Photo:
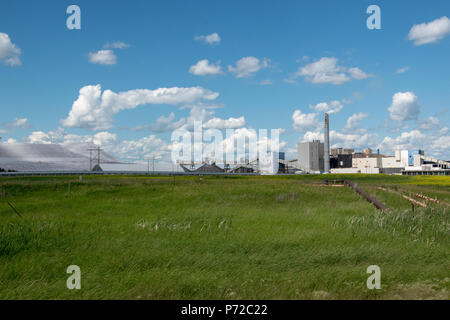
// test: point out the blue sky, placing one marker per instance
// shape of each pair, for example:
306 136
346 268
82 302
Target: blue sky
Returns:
278 64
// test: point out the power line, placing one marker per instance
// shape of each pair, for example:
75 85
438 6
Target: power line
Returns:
90 156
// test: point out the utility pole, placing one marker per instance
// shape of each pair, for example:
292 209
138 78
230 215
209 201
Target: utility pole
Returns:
153 165
98 156
90 156
90 159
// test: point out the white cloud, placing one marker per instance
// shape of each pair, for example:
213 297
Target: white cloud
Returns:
104 138
39 137
230 123
312 135
9 52
164 124
432 123
105 57
203 68
146 147
327 70
405 106
305 121
352 140
206 116
247 66
324 70
94 110
341 139
212 38
358 74
47 137
328 107
406 140
402 70
18 123
354 120
116 45
430 32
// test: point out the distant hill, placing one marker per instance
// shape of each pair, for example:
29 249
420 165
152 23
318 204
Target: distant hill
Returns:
44 157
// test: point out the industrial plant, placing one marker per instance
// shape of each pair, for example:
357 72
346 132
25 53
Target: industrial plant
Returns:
313 157
316 157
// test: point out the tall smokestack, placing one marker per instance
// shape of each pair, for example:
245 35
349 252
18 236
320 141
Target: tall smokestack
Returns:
326 146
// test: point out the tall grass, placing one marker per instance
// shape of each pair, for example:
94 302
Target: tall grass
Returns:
218 238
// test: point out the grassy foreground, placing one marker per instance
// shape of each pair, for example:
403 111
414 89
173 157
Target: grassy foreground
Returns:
280 237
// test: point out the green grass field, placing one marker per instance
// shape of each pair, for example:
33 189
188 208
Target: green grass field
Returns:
273 237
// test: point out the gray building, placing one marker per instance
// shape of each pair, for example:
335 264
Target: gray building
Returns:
311 156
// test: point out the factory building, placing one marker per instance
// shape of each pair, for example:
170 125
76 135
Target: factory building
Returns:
311 156
341 161
340 151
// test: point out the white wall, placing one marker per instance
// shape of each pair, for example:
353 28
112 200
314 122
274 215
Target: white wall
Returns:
391 162
361 163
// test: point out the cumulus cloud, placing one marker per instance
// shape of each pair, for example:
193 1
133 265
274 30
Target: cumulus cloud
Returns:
203 68
406 140
18 123
343 139
352 140
212 38
164 124
22 122
309 136
248 66
9 52
405 106
230 123
209 121
358 74
432 123
104 138
305 121
116 45
39 137
327 70
328 107
145 147
430 32
57 136
354 120
105 57
95 109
